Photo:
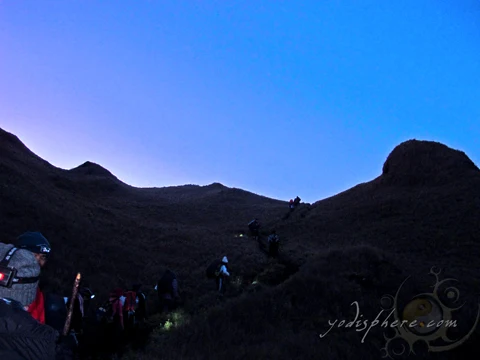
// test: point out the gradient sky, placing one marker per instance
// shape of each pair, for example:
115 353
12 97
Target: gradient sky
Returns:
281 98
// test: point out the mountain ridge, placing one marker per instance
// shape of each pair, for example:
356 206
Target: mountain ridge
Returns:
382 231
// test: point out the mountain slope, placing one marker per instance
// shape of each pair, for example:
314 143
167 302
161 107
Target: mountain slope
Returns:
359 245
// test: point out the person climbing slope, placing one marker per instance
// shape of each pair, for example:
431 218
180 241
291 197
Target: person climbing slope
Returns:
167 289
273 244
254 227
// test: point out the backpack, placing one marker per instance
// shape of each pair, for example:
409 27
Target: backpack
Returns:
213 269
130 302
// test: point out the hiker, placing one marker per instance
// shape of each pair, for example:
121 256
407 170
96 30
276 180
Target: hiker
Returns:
129 307
117 301
297 201
22 336
290 204
167 289
80 305
141 303
221 274
111 312
35 242
254 227
111 318
56 309
134 308
273 244
129 313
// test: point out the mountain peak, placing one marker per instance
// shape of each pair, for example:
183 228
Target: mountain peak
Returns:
419 162
92 169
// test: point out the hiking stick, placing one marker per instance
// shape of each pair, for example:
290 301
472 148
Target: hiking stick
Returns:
72 302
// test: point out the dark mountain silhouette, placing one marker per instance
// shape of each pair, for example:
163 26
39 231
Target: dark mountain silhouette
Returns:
426 163
359 245
92 169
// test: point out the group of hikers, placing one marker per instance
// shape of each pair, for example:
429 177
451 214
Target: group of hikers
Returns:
38 325
26 312
294 203
57 327
273 239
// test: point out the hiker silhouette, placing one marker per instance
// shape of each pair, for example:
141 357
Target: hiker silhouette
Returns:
254 227
218 270
80 307
273 244
167 289
141 303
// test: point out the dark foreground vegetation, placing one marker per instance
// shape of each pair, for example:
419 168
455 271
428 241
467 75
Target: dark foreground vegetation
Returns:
360 245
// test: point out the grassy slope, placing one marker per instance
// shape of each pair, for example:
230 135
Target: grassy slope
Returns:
397 225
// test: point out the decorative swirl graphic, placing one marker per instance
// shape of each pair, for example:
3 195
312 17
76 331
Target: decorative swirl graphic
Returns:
425 319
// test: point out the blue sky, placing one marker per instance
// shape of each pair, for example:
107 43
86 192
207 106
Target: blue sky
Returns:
281 98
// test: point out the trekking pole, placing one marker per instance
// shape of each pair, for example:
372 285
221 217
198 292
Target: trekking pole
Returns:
72 302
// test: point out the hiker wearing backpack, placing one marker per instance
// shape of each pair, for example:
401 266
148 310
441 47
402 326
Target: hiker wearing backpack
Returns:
273 244
167 289
111 317
80 305
130 319
254 227
218 271
141 304
297 201
117 301
129 307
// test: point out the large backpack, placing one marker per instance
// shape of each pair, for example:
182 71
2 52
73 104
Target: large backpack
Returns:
213 269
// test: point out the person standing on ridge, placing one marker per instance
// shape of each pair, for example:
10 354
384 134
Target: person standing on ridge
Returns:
297 201
290 204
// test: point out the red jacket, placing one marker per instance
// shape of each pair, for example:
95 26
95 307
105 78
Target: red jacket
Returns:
37 307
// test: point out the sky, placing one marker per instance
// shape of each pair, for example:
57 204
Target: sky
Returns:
280 98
